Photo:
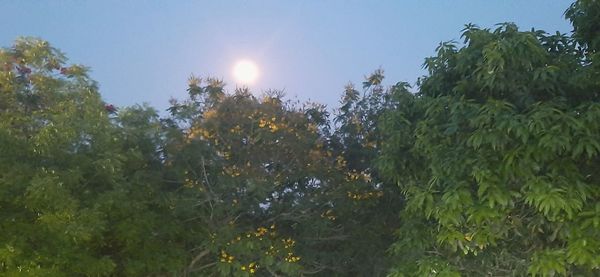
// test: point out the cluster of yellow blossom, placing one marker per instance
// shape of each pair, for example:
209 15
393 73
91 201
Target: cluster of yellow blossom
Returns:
227 155
328 214
262 123
270 123
288 243
271 251
232 171
370 144
234 240
271 100
226 258
251 267
236 130
194 132
256 115
291 258
365 195
189 183
354 175
210 114
260 231
341 162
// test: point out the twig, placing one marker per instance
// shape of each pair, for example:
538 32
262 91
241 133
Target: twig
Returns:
197 258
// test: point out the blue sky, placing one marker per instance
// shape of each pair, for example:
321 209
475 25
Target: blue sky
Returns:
144 51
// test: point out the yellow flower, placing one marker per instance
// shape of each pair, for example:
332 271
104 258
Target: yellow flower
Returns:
262 123
209 114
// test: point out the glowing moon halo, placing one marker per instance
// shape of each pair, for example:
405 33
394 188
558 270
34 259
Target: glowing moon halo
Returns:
245 72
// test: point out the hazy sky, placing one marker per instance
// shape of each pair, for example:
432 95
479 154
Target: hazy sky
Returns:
144 51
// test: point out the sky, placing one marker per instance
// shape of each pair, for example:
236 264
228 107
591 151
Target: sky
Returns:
144 51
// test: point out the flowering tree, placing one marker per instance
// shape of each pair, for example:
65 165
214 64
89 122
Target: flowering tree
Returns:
272 194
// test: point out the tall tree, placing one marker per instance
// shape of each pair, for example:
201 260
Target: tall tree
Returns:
261 175
78 194
497 156
52 122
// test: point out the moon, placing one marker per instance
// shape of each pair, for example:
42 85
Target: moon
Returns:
245 72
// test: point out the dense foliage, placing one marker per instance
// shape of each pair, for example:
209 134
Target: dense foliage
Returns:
489 168
497 155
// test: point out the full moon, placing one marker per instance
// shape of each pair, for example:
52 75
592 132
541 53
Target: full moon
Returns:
245 71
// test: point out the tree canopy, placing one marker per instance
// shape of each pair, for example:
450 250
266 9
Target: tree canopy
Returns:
487 167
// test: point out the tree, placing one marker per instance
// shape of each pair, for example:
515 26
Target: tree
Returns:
371 213
52 121
497 156
269 177
254 194
584 15
79 182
